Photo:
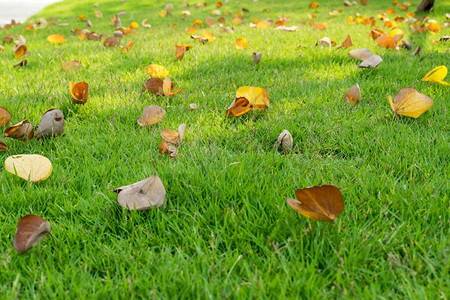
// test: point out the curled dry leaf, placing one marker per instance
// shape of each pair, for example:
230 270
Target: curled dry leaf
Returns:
376 33
199 38
73 65
111 42
143 195
287 28
347 43
21 131
79 92
152 114
5 116
436 75
145 25
285 140
55 39
417 51
170 136
31 230
360 54
158 71
21 63
20 51
324 42
52 124
181 131
168 86
371 62
3 147
239 107
32 167
322 203
180 50
256 57
92 36
248 98
154 86
241 43
409 102
353 94
257 97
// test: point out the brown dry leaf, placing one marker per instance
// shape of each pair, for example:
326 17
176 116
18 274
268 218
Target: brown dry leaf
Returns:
21 131
239 107
360 54
371 62
32 167
5 116
180 50
170 136
111 42
158 71
3 147
353 94
21 63
209 21
98 14
55 39
347 43
285 140
152 114
92 36
79 92
417 51
199 38
168 86
409 102
256 57
116 21
163 147
241 43
20 51
389 41
31 230
73 65
154 86
52 124
322 203
143 195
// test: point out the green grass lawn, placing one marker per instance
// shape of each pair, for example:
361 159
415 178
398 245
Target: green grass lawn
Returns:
226 230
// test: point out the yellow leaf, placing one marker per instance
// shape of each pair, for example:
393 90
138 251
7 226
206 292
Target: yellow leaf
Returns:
257 97
409 102
55 39
158 71
437 75
31 167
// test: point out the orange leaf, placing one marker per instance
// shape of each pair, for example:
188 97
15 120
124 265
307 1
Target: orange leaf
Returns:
239 107
5 116
322 203
181 50
314 4
79 92
241 43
